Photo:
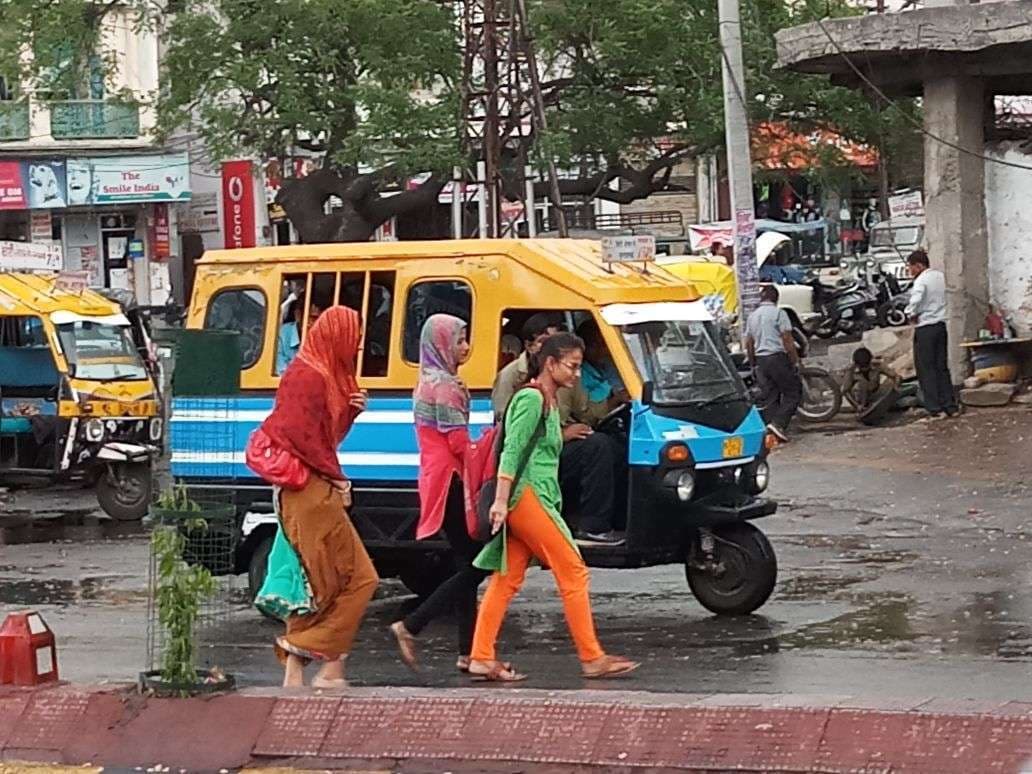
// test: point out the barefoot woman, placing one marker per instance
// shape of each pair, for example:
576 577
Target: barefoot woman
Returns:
316 404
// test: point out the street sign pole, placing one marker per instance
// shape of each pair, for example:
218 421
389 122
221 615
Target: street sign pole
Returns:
739 161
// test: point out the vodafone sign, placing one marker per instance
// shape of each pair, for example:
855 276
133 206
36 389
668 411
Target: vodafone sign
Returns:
238 204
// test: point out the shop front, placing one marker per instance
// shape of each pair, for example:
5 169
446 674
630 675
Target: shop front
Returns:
111 216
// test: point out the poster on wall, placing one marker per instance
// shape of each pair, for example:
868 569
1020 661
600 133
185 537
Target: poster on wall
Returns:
29 256
32 184
119 279
116 179
161 238
41 226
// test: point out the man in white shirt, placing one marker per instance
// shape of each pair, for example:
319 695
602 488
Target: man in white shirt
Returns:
927 310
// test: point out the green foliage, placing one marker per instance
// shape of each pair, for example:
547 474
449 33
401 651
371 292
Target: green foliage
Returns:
181 590
376 82
176 498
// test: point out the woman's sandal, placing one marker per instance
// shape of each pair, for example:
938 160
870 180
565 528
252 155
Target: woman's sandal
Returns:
609 666
496 672
406 645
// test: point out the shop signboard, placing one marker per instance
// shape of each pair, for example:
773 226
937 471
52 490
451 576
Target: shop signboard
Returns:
30 256
32 184
120 179
238 204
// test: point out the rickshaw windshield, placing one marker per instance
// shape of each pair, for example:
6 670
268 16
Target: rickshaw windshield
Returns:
101 352
684 360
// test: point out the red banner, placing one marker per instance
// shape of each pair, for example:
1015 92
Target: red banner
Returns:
160 236
12 186
238 204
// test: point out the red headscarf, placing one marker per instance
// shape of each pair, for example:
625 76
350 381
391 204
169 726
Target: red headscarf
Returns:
331 348
312 412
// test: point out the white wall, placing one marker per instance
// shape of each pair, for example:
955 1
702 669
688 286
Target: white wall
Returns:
1008 204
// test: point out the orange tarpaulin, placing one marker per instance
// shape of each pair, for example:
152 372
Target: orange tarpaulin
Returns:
776 147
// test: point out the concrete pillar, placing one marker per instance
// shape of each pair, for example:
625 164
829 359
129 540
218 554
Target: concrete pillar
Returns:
955 205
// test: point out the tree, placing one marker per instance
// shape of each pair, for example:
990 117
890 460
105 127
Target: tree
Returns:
372 89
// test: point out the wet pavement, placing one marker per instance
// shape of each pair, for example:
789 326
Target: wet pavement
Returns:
905 561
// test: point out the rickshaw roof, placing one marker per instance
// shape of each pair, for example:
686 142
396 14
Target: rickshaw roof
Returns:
574 263
27 293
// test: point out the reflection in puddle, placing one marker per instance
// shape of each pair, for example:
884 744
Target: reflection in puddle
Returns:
18 527
880 619
67 592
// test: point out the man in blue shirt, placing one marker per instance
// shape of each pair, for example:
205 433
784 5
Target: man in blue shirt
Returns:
599 376
289 340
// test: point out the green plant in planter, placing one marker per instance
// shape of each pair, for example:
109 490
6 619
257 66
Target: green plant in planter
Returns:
176 498
181 588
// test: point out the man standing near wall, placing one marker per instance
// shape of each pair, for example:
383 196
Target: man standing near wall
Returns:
927 310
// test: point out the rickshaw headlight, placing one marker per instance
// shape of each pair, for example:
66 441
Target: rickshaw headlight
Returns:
156 427
94 430
685 486
761 476
754 478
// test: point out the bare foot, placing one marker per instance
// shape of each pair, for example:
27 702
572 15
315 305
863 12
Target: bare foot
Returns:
294 672
406 645
330 675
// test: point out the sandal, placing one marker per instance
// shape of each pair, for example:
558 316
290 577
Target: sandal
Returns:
406 644
494 672
462 664
609 666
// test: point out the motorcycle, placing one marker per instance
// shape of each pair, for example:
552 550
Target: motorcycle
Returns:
890 295
847 308
822 395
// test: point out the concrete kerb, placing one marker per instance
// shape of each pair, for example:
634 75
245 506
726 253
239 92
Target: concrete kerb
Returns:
111 725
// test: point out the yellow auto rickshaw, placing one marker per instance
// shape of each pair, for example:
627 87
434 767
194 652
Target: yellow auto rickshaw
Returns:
77 400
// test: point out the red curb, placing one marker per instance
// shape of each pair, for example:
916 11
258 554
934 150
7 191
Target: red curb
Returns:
620 730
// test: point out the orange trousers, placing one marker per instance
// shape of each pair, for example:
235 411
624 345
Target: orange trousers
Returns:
531 532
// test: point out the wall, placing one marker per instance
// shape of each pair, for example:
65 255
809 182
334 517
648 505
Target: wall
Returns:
1008 192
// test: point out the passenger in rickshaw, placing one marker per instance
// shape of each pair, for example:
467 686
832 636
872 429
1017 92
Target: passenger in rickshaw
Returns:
590 463
290 331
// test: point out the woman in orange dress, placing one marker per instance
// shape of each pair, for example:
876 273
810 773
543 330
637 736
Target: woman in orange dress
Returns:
316 404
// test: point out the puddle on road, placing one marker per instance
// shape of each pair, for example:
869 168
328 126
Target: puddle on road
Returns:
814 586
92 590
20 527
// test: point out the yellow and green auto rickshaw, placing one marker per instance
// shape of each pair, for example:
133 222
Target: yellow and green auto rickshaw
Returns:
77 399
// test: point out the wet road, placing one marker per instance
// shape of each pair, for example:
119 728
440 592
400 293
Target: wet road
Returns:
905 566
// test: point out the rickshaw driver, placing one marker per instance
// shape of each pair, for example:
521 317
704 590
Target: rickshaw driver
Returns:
588 462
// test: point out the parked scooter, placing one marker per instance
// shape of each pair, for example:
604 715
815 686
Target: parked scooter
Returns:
848 308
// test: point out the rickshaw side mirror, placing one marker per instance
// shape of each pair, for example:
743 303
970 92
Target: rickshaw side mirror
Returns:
647 392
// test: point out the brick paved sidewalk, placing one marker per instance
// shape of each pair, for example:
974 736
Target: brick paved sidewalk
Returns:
115 727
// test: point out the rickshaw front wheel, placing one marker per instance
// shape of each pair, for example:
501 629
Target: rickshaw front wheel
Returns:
734 575
124 491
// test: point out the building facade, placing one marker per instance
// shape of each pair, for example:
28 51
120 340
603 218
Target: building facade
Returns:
81 170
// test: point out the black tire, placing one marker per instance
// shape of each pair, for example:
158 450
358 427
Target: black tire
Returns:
891 315
258 566
817 379
827 329
750 571
124 492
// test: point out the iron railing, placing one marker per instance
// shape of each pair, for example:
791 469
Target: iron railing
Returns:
14 120
94 119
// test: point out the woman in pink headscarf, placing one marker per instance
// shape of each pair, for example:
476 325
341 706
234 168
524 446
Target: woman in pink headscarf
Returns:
441 408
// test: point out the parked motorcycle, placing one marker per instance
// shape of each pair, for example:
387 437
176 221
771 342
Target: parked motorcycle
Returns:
847 308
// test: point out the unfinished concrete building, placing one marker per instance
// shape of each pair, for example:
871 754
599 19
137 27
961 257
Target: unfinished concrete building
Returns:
972 66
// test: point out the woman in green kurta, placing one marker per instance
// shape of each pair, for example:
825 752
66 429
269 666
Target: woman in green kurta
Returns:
527 520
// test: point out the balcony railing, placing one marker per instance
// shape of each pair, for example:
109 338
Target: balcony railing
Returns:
14 121
94 120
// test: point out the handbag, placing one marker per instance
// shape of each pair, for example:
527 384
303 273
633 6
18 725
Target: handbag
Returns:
489 488
275 464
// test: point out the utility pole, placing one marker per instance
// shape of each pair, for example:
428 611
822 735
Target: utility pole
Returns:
739 160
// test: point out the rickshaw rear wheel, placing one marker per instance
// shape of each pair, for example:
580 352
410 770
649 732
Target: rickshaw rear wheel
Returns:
124 492
740 574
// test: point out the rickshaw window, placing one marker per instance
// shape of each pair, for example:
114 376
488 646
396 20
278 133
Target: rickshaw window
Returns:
379 321
242 310
431 297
